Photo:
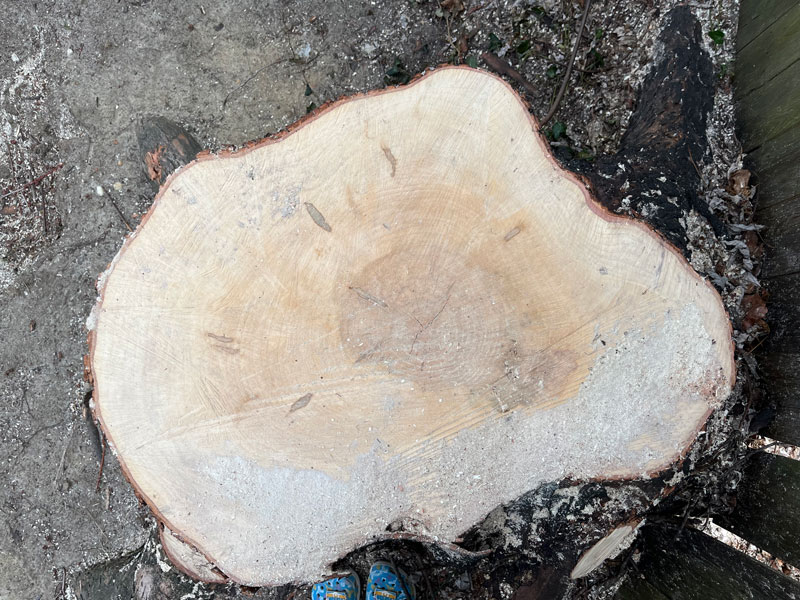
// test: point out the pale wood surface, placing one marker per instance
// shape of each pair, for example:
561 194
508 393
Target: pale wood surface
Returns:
188 559
608 547
401 312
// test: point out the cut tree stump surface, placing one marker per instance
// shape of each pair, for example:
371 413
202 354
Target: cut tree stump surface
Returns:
398 315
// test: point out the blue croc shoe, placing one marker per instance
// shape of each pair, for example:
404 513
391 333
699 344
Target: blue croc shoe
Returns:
338 588
387 584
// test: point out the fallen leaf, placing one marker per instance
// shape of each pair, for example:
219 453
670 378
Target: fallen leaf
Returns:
454 6
739 183
755 309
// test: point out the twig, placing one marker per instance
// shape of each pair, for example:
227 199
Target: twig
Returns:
118 209
475 9
248 80
431 593
30 184
753 349
565 81
578 69
685 514
102 463
502 67
447 23
60 471
694 164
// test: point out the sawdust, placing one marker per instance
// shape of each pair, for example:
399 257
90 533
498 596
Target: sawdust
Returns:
620 434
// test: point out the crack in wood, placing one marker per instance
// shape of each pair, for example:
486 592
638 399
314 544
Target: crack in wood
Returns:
301 402
429 323
220 338
390 157
317 217
369 297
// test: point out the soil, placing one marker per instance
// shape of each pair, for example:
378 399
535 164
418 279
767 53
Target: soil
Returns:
75 78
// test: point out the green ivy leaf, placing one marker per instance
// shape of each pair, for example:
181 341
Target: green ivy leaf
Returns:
494 43
559 129
551 72
397 74
472 62
717 36
597 61
309 91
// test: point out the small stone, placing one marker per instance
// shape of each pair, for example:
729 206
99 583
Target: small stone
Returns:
118 186
304 52
463 582
99 190
370 50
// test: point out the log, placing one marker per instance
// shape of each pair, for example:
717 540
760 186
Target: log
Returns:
689 564
164 146
654 174
397 316
767 506
769 127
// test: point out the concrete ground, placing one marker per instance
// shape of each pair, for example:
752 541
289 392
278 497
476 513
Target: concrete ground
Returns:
75 77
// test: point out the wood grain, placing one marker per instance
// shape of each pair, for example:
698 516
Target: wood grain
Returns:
769 54
756 16
696 565
767 506
283 384
772 109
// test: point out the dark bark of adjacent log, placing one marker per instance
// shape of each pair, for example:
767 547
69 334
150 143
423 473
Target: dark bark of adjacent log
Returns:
695 565
655 174
533 543
164 147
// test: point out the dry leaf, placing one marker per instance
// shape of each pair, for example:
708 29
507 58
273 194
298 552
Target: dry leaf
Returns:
738 183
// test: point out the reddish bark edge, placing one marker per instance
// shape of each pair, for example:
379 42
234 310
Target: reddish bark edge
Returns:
579 181
180 564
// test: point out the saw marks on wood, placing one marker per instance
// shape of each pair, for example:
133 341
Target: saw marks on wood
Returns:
402 310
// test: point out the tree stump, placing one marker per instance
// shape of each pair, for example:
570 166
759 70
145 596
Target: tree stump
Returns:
395 317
